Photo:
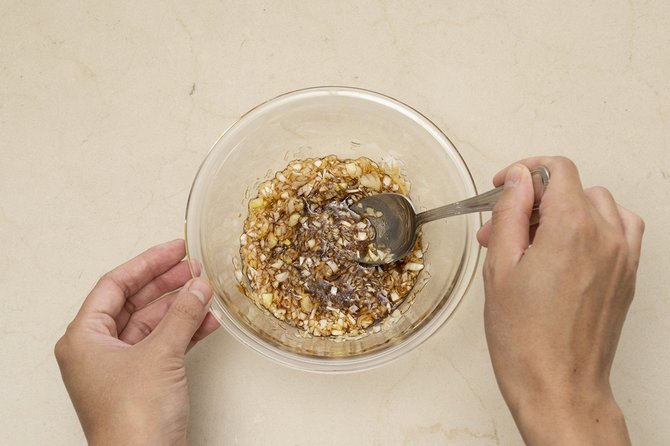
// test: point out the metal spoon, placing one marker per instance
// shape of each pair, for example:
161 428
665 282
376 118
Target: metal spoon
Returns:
397 224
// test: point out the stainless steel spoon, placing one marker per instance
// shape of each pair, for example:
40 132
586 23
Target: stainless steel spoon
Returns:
397 224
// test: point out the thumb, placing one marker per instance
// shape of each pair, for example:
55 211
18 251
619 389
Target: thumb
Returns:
510 222
185 315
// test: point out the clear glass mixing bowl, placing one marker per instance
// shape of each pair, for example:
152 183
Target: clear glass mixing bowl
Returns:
349 123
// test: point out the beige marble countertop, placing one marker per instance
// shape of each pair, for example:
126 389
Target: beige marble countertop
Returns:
107 109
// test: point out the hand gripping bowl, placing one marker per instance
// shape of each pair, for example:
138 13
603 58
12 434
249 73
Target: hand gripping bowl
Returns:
349 123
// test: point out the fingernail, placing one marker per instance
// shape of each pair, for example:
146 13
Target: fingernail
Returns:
200 289
513 175
195 268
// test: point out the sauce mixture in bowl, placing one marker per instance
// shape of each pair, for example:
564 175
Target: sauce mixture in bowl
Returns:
301 246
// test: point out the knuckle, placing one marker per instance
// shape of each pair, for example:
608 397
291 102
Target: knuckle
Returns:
563 163
129 306
632 222
638 223
60 349
141 326
121 279
184 311
599 192
110 278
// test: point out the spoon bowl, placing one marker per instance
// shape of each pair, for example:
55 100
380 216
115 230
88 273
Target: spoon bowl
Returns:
396 223
394 220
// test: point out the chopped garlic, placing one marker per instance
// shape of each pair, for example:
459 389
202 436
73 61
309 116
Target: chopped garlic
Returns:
293 219
332 265
256 203
306 304
413 266
266 299
371 181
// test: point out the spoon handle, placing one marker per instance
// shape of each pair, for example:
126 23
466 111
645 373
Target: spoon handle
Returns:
485 202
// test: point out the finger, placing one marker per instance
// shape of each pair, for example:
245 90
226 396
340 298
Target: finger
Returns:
185 315
143 322
484 233
508 239
167 282
175 278
602 201
111 292
633 227
208 326
564 176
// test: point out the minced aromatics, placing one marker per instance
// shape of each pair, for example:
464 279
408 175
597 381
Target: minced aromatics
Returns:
301 246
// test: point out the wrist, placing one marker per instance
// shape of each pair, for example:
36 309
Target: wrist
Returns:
131 435
584 418
131 427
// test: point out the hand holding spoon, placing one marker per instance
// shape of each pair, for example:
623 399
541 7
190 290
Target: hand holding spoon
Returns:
396 223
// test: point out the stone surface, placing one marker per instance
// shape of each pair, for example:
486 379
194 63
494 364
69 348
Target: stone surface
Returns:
107 109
